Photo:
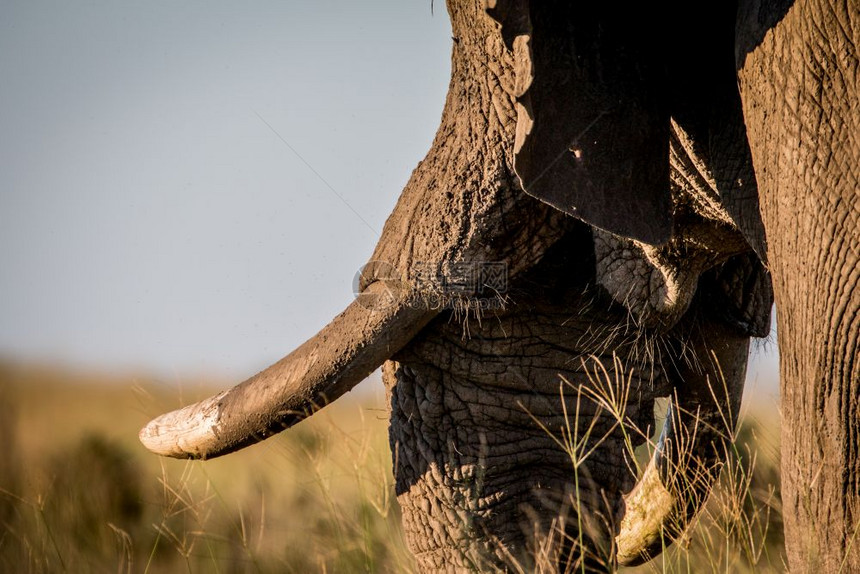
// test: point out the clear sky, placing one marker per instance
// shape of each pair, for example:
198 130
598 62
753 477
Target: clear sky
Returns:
191 186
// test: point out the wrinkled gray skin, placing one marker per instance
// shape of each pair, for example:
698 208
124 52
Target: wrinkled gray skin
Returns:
551 157
475 471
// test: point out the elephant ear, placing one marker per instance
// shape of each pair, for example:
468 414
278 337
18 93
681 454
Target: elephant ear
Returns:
592 119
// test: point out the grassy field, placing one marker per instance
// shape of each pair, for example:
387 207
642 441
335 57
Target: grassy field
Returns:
79 494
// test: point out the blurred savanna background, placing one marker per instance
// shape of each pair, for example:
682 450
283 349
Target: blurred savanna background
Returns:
186 193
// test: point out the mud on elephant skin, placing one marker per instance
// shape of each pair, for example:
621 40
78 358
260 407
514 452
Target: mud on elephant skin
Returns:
612 176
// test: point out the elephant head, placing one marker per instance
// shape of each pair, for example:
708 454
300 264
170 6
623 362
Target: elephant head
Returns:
583 236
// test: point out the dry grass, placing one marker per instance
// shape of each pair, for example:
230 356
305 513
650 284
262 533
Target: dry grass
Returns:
739 530
79 494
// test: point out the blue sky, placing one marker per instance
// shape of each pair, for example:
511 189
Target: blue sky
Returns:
152 215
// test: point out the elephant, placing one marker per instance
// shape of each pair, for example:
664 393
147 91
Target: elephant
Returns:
606 215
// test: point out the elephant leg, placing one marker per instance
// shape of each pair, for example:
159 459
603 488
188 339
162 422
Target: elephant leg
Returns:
798 78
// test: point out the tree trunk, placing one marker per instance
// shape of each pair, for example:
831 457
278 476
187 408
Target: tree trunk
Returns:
798 75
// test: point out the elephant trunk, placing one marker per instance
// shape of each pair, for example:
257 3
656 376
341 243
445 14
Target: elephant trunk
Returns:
371 329
699 427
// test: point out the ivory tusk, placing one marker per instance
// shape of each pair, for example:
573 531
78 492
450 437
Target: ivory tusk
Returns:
689 455
370 330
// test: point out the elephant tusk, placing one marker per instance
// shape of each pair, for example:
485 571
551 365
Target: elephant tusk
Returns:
370 330
648 508
699 427
666 498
